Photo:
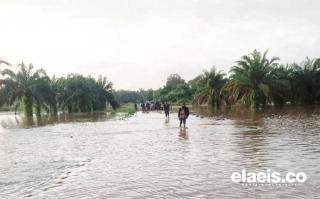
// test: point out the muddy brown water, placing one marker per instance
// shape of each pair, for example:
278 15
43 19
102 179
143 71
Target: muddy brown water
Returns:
146 156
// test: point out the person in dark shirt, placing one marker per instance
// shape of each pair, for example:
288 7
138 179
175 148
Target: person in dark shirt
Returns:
143 107
166 108
183 114
148 106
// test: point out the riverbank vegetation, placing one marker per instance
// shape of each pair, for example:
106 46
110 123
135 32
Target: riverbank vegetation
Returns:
254 81
35 91
127 108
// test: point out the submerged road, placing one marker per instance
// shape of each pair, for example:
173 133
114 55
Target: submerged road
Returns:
146 156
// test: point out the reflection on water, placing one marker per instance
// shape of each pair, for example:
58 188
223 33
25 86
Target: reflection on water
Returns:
9 120
148 156
183 133
243 114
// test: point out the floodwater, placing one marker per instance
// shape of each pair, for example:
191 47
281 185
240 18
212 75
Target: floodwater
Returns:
146 156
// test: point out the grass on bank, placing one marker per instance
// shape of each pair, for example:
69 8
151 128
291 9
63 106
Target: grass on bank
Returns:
127 108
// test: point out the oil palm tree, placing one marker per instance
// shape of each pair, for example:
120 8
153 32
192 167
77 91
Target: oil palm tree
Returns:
305 81
84 94
106 93
209 86
3 90
20 85
280 86
46 96
251 79
76 93
5 63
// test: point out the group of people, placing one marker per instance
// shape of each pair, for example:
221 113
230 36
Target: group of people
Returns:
150 106
183 112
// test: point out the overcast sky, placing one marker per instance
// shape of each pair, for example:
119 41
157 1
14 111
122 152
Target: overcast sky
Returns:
138 43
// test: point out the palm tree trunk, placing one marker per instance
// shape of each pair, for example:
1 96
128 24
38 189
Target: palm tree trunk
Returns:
70 110
38 109
27 103
254 99
54 109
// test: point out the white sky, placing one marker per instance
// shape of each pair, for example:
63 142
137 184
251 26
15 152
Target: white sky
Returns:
138 43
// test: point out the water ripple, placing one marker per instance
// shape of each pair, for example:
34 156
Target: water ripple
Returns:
147 157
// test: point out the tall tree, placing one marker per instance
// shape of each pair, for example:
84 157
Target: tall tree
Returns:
305 81
175 90
208 87
21 85
84 94
251 78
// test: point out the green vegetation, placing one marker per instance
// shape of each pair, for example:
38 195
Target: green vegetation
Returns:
251 79
255 81
127 108
147 94
34 90
207 88
124 96
22 86
176 90
77 93
304 81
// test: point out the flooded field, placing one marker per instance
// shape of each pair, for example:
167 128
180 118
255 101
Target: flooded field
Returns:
147 156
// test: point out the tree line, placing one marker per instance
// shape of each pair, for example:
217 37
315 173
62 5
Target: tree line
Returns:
35 91
254 81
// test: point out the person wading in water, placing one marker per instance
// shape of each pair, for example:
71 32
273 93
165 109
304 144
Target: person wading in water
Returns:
166 108
183 114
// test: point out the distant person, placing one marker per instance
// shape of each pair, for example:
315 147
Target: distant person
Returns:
166 108
157 106
152 106
148 106
183 114
143 107
135 106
